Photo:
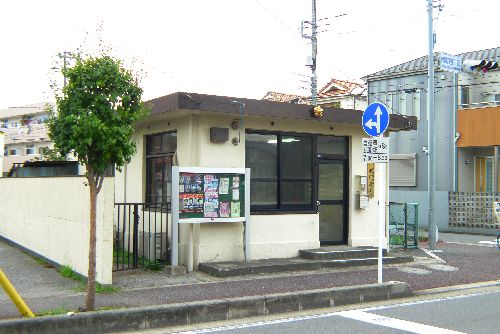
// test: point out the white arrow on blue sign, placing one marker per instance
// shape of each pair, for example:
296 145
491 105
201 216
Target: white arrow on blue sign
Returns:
375 119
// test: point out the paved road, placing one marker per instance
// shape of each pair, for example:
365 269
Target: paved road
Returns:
466 313
44 289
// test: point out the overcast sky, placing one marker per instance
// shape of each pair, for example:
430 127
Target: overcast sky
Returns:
236 48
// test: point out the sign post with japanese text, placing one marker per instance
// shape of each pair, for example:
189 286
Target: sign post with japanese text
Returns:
375 150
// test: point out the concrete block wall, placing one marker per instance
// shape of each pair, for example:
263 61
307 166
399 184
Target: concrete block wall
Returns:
50 217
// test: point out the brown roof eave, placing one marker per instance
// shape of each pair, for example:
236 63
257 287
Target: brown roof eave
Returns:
231 105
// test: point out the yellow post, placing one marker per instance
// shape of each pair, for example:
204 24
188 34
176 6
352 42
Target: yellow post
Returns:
11 291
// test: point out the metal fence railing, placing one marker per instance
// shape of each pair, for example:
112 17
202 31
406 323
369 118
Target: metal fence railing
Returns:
140 235
403 225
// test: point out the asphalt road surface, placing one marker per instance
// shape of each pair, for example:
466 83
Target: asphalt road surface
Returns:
465 312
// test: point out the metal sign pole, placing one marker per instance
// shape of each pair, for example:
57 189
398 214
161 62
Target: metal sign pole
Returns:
247 216
375 121
175 216
381 220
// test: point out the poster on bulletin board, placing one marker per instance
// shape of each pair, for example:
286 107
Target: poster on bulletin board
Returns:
211 195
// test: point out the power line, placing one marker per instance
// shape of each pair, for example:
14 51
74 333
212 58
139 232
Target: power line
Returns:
492 84
279 20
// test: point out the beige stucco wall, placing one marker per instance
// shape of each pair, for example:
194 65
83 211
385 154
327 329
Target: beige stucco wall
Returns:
50 216
271 235
2 149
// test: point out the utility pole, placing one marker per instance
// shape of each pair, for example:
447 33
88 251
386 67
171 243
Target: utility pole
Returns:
314 43
65 55
431 163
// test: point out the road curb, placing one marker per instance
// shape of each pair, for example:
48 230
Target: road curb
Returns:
460 287
214 310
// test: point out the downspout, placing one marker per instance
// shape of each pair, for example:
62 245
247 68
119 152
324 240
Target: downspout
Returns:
454 133
125 183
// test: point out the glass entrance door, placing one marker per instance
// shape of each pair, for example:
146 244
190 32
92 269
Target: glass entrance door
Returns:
332 198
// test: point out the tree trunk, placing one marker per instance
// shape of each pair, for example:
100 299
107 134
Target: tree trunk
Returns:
90 292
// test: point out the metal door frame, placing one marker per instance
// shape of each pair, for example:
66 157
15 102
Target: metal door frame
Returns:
345 200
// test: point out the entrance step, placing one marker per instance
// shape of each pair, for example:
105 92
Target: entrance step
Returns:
235 268
340 252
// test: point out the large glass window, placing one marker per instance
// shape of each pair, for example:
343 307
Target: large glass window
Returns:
160 149
328 145
281 170
262 157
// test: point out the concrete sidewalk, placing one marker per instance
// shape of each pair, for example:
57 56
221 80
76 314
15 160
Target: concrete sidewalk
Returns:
44 289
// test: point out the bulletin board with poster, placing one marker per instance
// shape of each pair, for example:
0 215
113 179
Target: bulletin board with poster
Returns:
210 195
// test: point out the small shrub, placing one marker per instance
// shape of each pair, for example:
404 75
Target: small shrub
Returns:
396 240
153 265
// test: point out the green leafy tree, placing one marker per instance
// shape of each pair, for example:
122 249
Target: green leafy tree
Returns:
96 112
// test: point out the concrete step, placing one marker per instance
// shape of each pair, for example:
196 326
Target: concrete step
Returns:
340 252
234 268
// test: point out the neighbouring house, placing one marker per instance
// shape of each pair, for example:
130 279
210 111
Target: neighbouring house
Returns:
283 97
467 140
305 173
343 94
25 134
336 93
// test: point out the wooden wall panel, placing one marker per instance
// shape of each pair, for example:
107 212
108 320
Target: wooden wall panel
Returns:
478 127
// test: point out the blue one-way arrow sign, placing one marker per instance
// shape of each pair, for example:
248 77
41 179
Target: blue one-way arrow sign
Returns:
375 119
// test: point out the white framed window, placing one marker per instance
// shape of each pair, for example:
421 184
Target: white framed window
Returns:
490 99
464 97
30 149
14 151
403 170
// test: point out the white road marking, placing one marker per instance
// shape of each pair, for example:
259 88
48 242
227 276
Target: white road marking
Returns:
330 314
488 242
431 254
409 326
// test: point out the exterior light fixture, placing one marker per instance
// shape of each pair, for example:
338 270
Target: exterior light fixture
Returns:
317 112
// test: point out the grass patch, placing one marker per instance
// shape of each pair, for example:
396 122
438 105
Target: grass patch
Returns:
41 261
68 272
55 311
99 288
106 288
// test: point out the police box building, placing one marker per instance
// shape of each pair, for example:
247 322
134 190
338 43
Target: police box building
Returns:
309 182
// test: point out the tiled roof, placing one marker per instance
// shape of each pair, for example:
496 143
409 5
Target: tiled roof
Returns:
25 134
283 97
32 109
420 64
334 88
341 87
